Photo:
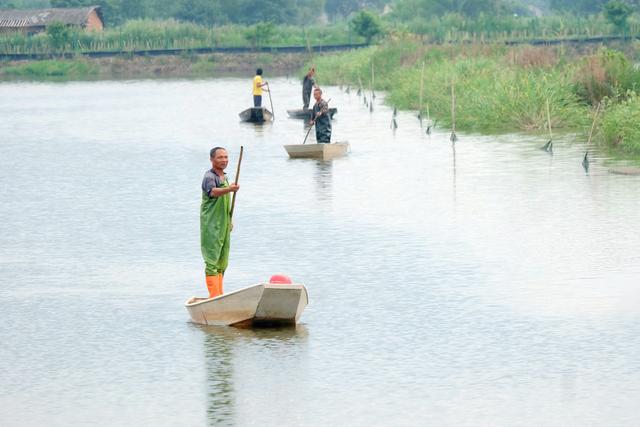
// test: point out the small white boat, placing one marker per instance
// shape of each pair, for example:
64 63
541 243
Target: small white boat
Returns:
264 304
317 151
256 115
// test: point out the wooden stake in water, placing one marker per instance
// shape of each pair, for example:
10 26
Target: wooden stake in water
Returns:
373 94
549 119
453 136
593 125
421 91
585 160
548 147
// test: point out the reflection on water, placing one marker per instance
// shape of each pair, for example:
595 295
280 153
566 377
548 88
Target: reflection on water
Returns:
323 176
485 283
221 345
219 365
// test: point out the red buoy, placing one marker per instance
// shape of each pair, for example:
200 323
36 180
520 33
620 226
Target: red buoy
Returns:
280 279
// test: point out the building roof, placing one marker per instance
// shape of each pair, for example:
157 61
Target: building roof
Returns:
13 18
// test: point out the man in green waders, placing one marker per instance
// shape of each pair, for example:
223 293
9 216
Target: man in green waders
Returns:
215 221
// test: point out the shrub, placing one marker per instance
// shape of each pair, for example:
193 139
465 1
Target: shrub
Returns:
620 125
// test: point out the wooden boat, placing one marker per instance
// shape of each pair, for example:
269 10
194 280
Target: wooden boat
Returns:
622 170
306 113
317 151
264 304
256 115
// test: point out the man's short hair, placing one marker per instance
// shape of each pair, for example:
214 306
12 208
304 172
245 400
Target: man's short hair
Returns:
317 89
214 150
259 71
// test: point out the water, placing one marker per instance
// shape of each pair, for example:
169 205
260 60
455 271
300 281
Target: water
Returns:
492 284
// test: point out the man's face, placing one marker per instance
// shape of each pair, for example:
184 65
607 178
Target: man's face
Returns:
317 95
220 160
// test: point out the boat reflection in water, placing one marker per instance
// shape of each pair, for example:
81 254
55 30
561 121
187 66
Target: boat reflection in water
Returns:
225 350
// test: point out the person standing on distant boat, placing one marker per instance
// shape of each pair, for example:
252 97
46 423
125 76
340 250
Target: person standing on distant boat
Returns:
308 83
258 84
321 118
215 220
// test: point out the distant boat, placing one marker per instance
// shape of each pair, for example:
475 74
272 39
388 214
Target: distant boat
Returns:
306 113
317 151
622 170
264 304
256 115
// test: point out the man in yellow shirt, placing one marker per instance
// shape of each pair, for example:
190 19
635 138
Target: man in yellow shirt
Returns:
258 84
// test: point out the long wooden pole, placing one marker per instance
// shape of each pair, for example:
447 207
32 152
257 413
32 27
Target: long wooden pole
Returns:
233 201
453 136
549 120
593 125
421 87
273 113
373 94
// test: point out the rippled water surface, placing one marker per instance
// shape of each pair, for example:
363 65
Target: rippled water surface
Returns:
487 284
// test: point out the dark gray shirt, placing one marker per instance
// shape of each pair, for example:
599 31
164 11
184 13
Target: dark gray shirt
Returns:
307 84
211 180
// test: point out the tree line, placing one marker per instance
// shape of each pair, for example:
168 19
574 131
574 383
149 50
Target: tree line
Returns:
310 12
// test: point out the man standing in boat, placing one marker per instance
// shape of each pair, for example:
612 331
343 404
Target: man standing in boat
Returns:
258 84
215 220
321 118
307 84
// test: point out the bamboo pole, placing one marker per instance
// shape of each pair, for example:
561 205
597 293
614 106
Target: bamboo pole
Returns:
593 125
233 201
453 136
373 94
421 89
549 120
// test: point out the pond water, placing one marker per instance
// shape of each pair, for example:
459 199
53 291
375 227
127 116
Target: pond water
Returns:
488 283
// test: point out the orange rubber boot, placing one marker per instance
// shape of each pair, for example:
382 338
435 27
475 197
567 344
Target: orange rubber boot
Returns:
214 285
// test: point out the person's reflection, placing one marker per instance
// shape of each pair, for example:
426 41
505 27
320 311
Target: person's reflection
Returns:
324 174
219 342
219 370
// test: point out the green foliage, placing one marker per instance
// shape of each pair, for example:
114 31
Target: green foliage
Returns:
577 6
51 70
607 74
620 125
617 12
170 34
59 34
261 34
204 67
366 24
408 9
491 93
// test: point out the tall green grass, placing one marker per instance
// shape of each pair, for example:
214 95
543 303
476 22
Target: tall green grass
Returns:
492 94
621 125
148 34
453 27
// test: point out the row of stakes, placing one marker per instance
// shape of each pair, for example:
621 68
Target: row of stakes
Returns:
547 147
394 124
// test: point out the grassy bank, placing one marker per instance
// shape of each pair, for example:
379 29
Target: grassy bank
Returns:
43 70
500 89
187 65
